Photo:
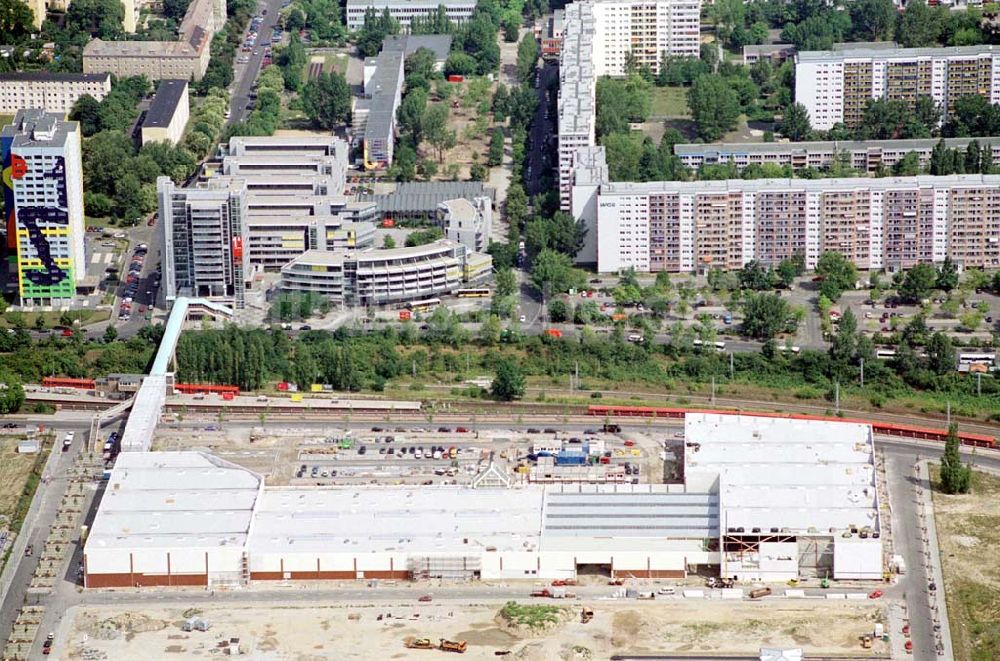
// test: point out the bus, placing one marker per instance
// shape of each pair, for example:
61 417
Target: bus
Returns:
977 358
473 293
425 305
720 346
885 354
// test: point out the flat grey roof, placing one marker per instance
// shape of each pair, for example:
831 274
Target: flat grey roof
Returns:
48 76
881 51
425 196
883 183
168 97
439 44
631 514
823 146
385 83
31 127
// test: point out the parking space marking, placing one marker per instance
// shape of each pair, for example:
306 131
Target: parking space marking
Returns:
95 258
108 257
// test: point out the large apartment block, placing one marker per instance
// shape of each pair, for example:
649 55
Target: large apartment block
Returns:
404 11
835 85
51 92
869 156
598 36
648 29
41 161
204 234
694 226
577 80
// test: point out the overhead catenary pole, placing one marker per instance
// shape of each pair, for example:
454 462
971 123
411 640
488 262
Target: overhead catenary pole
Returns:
862 372
731 369
836 395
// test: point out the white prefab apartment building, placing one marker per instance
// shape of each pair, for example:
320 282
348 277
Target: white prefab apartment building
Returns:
598 37
875 223
648 29
52 92
835 85
404 11
763 499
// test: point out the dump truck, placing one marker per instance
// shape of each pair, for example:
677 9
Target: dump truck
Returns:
760 592
866 642
418 644
586 615
457 646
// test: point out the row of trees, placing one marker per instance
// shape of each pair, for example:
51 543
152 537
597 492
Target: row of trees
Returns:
116 112
266 115
225 44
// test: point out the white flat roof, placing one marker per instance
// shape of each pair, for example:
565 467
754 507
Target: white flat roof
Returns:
397 519
175 500
784 473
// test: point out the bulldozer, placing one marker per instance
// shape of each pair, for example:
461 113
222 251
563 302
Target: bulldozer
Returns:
866 642
586 615
457 646
418 644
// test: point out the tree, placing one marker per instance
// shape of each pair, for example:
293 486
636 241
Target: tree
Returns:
419 69
839 274
947 277
388 243
755 276
489 332
918 26
86 110
918 282
873 20
506 282
508 383
714 106
558 311
765 315
110 334
786 273
16 19
555 271
460 64
374 31
495 156
435 128
527 57
956 477
411 114
11 392
326 100
940 354
794 123
99 18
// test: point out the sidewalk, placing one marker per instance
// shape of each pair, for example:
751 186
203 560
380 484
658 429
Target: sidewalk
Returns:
932 556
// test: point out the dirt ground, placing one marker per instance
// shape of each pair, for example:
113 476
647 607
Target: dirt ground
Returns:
14 471
968 530
342 632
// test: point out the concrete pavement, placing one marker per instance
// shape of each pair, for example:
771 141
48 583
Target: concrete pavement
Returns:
41 514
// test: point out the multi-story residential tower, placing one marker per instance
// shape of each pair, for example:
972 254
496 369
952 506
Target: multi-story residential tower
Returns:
43 205
645 30
599 37
204 234
835 85
694 226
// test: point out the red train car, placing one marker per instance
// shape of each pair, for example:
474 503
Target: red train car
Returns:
880 428
205 388
60 382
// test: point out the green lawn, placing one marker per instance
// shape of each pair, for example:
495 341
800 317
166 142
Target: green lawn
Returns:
670 102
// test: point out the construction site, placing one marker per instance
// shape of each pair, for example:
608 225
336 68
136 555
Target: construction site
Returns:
410 629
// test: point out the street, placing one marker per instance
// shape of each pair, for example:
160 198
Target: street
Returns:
17 574
541 147
246 74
